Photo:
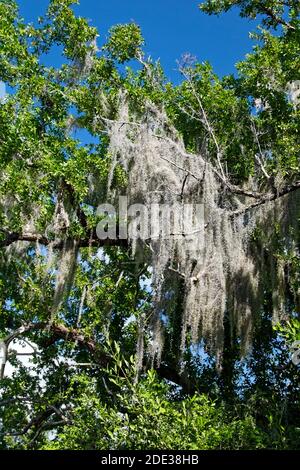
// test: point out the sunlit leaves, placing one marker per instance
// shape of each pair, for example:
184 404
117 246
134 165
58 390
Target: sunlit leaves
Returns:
124 42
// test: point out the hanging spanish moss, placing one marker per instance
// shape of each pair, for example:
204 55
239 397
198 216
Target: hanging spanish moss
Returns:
226 261
222 266
67 257
65 275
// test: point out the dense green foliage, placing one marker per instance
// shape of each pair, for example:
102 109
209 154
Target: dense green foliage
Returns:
83 390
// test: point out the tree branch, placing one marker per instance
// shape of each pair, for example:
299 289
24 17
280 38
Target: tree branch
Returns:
277 19
12 237
269 197
207 123
259 158
101 358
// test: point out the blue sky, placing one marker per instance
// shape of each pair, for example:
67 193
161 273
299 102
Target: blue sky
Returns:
170 27
2 90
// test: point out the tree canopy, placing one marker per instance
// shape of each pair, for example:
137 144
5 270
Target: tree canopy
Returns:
148 342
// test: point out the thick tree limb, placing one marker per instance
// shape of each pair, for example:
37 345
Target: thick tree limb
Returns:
94 241
101 358
169 373
58 332
269 197
40 422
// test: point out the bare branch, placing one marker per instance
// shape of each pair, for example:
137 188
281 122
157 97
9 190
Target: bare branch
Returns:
259 158
206 122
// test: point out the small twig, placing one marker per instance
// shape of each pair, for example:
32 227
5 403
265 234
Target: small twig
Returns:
178 166
183 186
120 278
82 300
